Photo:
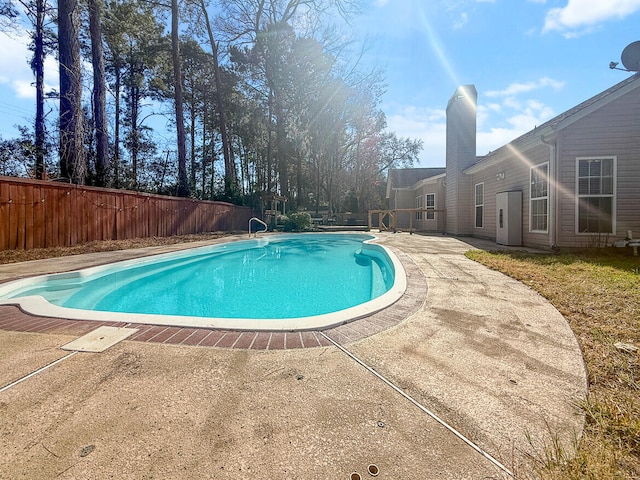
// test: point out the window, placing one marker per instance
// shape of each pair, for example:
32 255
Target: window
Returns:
419 204
539 211
430 205
479 204
596 195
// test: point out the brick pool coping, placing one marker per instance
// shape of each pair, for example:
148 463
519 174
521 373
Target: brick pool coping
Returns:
12 318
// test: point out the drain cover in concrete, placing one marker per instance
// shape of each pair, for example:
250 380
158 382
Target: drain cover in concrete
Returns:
99 339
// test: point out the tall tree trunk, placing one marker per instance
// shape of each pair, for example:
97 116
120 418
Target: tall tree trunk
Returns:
192 135
183 181
230 171
37 66
269 142
281 146
99 94
135 134
116 130
72 154
300 201
204 152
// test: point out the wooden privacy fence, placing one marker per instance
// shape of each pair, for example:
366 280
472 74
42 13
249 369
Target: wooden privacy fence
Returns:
36 214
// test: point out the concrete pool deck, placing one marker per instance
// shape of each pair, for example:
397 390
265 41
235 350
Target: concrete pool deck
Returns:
482 351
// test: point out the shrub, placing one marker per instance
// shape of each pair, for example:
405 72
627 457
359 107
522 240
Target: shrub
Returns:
297 221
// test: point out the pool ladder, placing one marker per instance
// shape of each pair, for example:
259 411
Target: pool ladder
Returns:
256 219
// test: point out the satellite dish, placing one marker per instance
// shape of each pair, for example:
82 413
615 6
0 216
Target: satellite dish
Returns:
631 57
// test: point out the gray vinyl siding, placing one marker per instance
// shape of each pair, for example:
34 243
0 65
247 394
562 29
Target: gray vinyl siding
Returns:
611 131
605 126
406 198
438 223
516 178
402 199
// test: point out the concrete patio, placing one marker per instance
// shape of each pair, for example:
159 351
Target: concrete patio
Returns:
483 352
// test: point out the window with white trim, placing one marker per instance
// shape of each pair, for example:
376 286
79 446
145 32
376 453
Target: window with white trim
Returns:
479 202
419 204
539 198
595 185
430 205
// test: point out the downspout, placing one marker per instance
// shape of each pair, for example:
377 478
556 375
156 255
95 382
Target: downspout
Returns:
553 186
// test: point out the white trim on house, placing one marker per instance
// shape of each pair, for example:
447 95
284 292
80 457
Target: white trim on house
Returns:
541 198
428 181
430 215
612 195
478 205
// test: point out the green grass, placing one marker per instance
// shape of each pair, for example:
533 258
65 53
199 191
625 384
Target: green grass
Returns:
598 292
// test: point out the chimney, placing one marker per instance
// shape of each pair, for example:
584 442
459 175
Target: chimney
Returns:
461 154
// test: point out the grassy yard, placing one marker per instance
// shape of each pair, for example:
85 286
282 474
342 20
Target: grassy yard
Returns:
599 295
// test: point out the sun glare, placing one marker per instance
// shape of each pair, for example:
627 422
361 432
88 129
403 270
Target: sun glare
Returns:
437 47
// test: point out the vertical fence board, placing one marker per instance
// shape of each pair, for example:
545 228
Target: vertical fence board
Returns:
20 195
107 209
145 220
120 217
38 217
97 217
13 218
91 215
63 216
28 217
153 217
49 213
127 202
4 216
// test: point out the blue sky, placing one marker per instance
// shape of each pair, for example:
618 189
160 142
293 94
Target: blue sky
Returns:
529 60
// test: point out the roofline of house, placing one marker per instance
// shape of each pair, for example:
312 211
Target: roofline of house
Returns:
548 130
506 152
428 180
419 183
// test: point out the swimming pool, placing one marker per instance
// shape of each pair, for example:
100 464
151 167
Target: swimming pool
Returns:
279 282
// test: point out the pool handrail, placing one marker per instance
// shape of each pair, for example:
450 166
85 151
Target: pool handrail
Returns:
266 227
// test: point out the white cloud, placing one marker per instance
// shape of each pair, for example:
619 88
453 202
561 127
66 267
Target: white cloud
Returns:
428 125
515 118
580 16
498 123
518 88
16 74
13 61
380 3
462 21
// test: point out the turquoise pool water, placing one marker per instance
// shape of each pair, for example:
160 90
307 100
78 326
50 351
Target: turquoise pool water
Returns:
274 277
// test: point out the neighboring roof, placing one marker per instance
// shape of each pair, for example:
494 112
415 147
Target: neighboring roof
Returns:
564 119
406 177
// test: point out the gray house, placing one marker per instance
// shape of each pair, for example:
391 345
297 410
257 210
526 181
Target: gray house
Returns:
573 181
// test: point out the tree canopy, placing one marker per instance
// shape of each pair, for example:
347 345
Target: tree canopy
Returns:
235 100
